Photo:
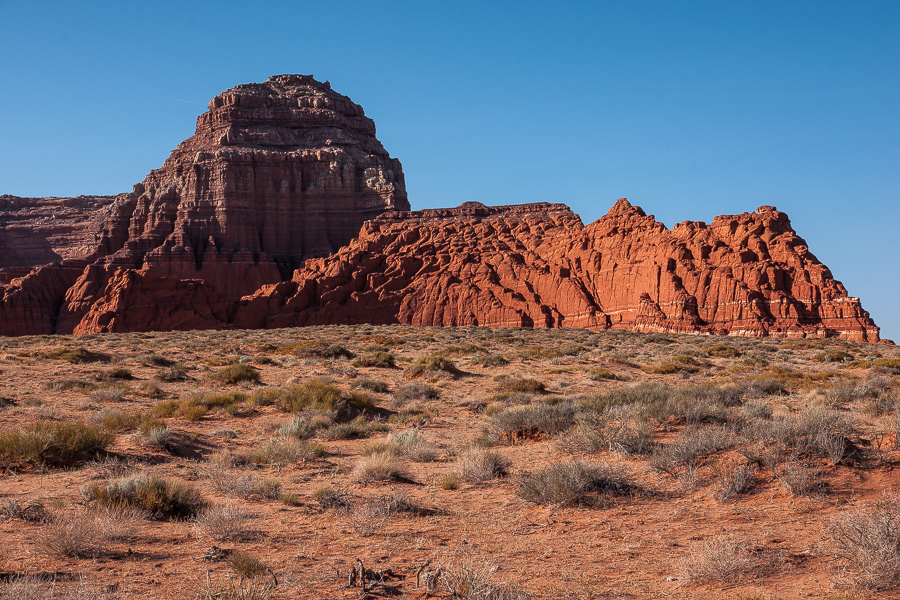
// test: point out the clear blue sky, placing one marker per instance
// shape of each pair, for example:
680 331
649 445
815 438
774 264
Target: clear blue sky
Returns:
689 109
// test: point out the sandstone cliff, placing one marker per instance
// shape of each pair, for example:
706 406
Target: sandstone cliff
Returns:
283 209
538 266
276 172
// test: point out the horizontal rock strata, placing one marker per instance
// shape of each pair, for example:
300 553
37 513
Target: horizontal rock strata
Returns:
538 266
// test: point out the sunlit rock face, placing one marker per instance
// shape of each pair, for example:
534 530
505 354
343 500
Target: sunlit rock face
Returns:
276 173
539 266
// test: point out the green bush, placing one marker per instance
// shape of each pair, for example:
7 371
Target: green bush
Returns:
54 443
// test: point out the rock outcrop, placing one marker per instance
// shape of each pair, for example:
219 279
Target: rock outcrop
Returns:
284 209
276 172
538 266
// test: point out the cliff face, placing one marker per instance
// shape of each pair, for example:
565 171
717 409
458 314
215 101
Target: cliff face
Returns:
276 172
538 266
284 209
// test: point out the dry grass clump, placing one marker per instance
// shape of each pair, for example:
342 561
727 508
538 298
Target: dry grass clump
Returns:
416 391
310 395
870 541
249 590
432 365
574 483
414 446
222 522
799 478
816 431
320 348
120 522
235 373
197 406
246 565
55 443
482 464
287 451
720 558
520 384
372 385
76 535
76 356
691 444
108 394
160 498
734 479
115 420
379 359
470 577
592 433
531 421
379 466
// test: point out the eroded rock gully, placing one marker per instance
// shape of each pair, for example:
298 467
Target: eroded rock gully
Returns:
284 209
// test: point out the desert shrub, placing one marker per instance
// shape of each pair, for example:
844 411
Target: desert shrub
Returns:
314 394
319 348
372 385
362 400
414 447
754 410
222 522
469 577
449 480
734 480
285 451
869 539
174 372
593 432
598 373
833 356
647 397
531 420
116 374
328 497
346 431
157 360
520 384
766 386
197 406
431 365
379 466
666 368
573 483
235 373
299 427
368 517
799 478
490 360
816 431
75 535
107 394
723 351
717 559
57 443
481 464
416 391
380 359
241 590
688 446
246 565
76 356
120 522
115 420
151 493
78 385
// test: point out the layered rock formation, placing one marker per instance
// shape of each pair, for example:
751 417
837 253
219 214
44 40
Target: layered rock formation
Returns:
284 209
276 172
538 266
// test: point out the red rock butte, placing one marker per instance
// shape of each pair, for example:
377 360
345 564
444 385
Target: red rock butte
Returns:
284 210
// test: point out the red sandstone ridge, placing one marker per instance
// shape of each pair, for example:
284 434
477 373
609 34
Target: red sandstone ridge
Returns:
538 266
276 172
284 209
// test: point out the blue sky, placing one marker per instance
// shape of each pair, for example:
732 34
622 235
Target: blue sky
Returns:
689 109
